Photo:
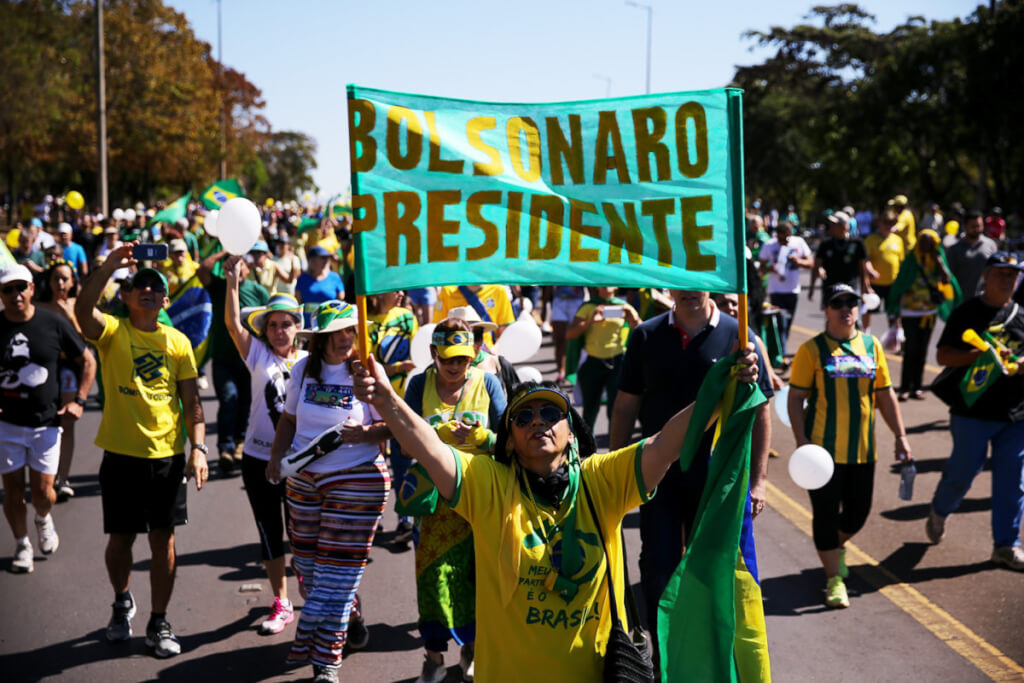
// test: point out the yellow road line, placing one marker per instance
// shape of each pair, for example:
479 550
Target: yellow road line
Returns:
891 356
968 644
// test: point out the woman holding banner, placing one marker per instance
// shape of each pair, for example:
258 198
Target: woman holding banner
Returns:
269 354
541 590
463 404
336 501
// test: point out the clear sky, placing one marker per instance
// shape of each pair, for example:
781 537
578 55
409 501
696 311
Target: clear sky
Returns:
302 53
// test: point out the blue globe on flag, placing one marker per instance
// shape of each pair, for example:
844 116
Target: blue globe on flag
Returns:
220 196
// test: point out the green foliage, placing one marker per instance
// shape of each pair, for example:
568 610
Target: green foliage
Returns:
288 157
166 99
843 114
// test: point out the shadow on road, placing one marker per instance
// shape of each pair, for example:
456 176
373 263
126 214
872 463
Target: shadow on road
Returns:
933 426
910 513
794 595
242 560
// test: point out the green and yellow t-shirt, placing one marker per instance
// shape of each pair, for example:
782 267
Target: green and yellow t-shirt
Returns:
141 371
493 297
886 254
606 338
842 377
537 635
391 336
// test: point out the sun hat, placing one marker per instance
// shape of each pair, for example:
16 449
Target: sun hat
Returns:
331 316
15 273
471 317
453 343
537 393
280 301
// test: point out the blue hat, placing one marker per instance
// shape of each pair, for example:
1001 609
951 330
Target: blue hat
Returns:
259 246
317 251
36 223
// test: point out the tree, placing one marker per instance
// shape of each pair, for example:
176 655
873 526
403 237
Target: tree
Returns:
289 158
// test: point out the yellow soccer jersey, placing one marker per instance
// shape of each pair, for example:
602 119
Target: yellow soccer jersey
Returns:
141 371
538 635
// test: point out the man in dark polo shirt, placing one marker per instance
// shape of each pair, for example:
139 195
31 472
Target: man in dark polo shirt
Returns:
840 259
666 360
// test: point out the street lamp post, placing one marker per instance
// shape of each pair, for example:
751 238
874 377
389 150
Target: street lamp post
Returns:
650 16
101 113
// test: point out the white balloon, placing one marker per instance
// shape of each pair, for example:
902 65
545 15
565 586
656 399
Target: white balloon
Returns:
118 214
781 405
871 301
811 467
520 340
529 374
419 347
238 225
129 215
210 223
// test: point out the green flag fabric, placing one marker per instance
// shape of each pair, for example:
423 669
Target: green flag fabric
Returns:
985 370
643 191
710 617
174 211
215 195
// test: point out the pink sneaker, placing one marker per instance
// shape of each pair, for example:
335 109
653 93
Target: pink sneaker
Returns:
281 614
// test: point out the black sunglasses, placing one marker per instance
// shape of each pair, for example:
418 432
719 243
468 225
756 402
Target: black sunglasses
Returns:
154 285
15 287
547 412
844 302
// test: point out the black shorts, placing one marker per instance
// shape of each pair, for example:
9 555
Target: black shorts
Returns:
142 494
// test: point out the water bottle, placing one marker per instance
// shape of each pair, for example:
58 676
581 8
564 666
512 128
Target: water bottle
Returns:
907 474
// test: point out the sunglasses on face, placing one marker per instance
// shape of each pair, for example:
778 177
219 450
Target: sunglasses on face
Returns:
548 413
845 302
454 360
14 287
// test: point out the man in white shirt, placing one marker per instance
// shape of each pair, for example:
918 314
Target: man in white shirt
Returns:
784 256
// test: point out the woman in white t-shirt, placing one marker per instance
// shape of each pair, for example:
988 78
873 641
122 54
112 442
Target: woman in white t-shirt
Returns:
335 502
269 354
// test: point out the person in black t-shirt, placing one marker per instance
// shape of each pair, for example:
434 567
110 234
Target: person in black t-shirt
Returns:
997 416
839 259
31 342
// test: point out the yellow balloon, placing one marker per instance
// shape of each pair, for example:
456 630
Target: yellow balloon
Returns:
12 238
953 228
269 202
75 200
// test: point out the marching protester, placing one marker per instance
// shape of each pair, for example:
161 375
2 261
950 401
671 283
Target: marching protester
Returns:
666 362
544 468
149 373
335 502
843 374
785 254
57 294
995 415
31 408
463 404
318 283
269 353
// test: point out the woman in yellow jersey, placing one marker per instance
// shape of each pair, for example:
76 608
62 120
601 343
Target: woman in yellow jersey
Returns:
541 592
604 323
463 405
843 375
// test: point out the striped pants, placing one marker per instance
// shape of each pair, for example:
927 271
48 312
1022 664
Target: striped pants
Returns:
333 516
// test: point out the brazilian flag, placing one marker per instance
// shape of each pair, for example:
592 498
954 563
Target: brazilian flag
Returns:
174 211
215 195
711 623
987 368
191 313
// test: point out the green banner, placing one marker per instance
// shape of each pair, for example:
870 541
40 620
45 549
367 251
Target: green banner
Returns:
638 191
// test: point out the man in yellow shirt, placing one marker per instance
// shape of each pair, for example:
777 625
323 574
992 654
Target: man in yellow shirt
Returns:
905 226
886 253
150 376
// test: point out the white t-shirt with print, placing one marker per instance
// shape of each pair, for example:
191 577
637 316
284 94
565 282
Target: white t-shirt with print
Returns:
784 277
269 379
319 405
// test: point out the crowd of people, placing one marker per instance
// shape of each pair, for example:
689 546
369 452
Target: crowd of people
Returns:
480 461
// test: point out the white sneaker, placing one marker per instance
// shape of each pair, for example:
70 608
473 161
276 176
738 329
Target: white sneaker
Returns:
432 672
1011 556
24 558
203 383
281 614
49 541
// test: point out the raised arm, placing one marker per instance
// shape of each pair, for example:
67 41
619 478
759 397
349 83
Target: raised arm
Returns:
205 271
90 320
418 439
232 309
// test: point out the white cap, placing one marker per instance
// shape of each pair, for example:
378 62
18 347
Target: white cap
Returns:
15 273
64 228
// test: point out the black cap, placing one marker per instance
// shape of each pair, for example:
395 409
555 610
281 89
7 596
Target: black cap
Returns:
1003 259
836 291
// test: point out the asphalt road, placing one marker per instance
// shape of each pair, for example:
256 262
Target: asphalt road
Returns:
919 612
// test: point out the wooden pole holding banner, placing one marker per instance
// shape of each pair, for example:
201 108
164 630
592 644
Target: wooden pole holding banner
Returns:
742 320
362 330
